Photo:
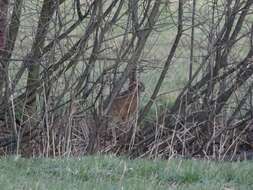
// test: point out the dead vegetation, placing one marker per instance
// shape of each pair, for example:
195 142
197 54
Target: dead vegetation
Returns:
75 88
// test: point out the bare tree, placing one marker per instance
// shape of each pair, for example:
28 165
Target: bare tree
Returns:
64 69
3 22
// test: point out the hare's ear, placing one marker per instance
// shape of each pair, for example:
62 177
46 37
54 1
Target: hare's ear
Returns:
141 87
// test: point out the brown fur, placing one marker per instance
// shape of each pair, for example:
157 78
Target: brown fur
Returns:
126 104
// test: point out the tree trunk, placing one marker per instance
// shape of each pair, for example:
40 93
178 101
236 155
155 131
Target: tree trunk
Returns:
36 52
3 22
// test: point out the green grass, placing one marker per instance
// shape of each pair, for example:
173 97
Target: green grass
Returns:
109 173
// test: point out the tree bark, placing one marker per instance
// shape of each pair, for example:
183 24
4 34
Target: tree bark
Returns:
46 14
3 22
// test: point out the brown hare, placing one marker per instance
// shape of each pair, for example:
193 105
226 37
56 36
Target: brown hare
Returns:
125 105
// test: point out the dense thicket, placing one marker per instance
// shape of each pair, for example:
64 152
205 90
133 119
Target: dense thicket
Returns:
65 63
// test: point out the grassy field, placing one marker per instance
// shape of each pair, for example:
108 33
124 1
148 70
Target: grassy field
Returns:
110 173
